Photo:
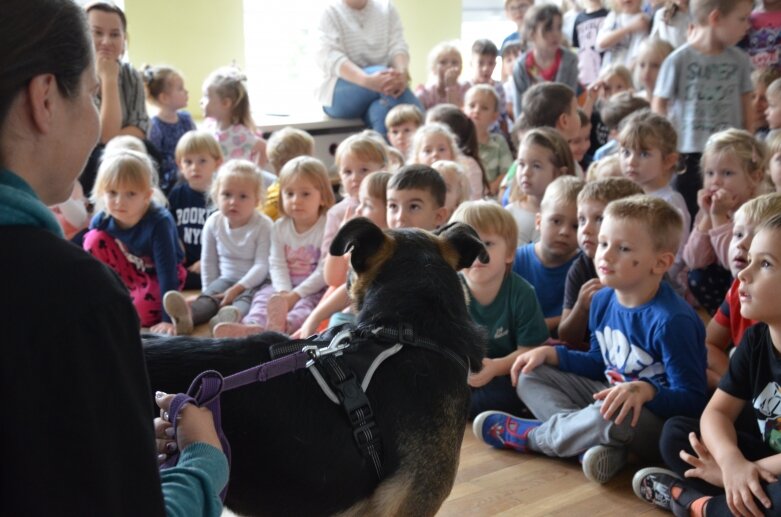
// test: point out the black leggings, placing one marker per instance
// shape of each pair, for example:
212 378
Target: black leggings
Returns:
675 437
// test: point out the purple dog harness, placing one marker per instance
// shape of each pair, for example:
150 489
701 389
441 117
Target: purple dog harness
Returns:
337 380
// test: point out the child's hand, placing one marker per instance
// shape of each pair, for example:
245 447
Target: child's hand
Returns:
587 291
625 397
291 297
704 200
484 376
163 328
195 425
742 484
705 466
195 267
721 202
594 92
528 361
230 294
259 152
451 76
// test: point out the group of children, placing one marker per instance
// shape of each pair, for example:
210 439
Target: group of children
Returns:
594 348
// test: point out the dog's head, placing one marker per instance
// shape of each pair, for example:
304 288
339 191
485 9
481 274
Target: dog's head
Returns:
409 274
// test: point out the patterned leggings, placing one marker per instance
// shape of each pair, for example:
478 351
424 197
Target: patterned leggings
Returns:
295 317
144 287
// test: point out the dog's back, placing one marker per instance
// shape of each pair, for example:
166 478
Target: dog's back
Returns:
293 449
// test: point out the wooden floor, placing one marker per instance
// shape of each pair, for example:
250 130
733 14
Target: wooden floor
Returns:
494 482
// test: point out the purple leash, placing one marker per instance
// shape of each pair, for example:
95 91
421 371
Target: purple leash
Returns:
206 388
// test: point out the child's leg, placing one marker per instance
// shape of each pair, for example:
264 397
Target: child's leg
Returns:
243 301
257 311
301 310
498 395
206 305
572 422
675 438
104 247
148 299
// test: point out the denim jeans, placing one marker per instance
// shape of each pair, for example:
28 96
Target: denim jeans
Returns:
353 101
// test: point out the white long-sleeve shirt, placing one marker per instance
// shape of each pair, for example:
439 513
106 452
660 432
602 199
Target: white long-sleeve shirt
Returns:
296 260
368 37
239 254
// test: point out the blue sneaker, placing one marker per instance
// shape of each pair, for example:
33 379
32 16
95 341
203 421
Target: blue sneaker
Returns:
502 430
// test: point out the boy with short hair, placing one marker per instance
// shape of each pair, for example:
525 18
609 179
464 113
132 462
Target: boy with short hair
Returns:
730 455
613 112
582 281
545 263
198 156
484 54
416 198
503 303
282 146
646 362
401 122
554 105
481 105
727 326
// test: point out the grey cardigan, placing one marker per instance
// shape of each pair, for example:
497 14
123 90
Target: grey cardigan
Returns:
567 74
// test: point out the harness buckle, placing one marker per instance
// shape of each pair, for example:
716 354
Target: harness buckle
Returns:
406 334
335 347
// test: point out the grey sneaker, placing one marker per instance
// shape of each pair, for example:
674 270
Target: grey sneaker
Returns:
653 484
229 314
601 462
176 307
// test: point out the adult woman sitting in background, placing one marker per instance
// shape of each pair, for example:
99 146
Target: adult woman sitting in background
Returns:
121 96
364 60
77 435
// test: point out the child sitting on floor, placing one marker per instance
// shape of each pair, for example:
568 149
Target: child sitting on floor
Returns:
283 146
646 362
401 122
198 156
134 234
582 280
732 467
726 328
234 255
503 303
545 263
296 264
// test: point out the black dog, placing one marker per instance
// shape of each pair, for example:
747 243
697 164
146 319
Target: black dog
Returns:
293 449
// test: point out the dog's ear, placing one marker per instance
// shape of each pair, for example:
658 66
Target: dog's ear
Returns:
464 241
360 236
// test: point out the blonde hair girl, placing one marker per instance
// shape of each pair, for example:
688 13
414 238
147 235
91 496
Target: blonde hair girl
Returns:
650 55
732 167
226 106
135 235
165 89
445 65
543 156
356 157
235 249
296 264
456 182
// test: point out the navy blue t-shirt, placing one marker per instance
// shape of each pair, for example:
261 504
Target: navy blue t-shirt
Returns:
190 209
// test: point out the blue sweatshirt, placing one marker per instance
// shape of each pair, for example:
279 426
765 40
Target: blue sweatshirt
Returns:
661 342
152 242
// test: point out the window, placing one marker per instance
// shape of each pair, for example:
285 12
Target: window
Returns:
279 47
